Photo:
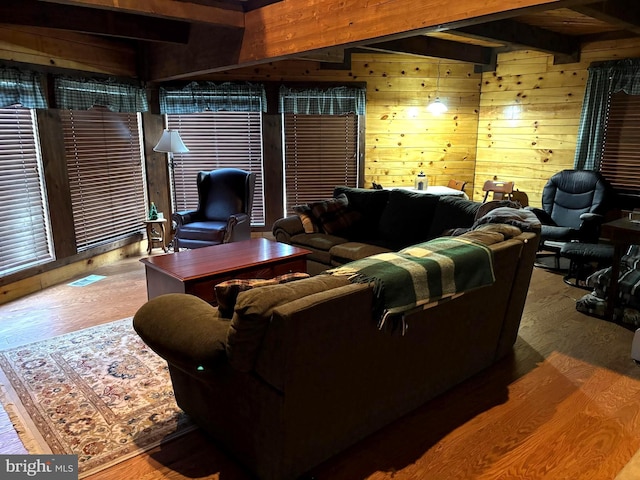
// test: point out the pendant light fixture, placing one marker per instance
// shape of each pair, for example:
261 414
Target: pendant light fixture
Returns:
437 107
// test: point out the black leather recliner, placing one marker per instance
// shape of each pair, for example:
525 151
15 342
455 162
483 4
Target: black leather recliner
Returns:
225 201
574 203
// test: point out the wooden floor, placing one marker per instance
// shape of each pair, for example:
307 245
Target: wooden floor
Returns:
565 405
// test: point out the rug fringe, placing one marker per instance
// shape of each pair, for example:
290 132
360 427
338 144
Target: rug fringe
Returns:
27 432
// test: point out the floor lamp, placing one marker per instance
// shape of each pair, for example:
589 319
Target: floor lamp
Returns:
171 143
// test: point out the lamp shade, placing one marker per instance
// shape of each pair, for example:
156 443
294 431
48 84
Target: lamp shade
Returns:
437 107
170 142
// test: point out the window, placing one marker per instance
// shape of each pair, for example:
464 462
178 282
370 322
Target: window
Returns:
321 152
25 239
217 140
106 175
620 163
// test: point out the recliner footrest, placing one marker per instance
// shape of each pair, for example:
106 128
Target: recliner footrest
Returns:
587 251
582 255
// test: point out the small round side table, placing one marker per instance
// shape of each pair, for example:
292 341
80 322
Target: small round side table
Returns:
156 238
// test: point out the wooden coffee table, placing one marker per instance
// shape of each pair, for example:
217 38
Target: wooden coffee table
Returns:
198 271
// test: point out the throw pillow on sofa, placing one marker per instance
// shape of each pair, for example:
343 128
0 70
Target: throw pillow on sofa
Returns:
335 215
306 217
227 292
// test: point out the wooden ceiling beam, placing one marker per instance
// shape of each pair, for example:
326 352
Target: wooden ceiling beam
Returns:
293 27
87 20
169 9
423 46
207 46
625 14
520 35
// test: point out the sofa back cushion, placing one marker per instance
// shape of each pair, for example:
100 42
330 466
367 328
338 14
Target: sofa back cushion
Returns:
370 204
452 212
253 312
406 218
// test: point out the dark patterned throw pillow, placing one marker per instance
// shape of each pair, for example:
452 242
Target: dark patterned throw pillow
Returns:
227 292
335 215
306 217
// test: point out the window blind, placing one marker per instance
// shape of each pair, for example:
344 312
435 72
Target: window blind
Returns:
106 175
620 162
321 152
25 239
217 140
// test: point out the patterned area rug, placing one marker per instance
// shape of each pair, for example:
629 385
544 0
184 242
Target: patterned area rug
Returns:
100 393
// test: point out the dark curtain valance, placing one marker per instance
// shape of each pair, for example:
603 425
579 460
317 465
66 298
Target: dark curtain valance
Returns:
83 94
209 97
604 80
316 101
19 87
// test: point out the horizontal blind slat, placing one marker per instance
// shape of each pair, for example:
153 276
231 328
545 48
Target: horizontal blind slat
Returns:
106 175
320 154
620 160
24 228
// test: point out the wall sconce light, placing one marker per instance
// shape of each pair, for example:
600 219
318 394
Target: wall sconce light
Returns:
437 107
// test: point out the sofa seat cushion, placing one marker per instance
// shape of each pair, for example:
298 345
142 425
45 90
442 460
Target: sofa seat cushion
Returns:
319 244
253 315
347 252
317 241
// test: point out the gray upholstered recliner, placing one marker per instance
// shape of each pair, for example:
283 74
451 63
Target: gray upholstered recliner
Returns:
225 200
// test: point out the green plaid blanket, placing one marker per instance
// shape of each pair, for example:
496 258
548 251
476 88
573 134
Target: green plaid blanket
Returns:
421 274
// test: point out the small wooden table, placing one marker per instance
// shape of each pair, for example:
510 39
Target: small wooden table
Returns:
198 271
155 238
620 233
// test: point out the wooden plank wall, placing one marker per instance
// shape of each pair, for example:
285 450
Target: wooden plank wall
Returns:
402 137
529 115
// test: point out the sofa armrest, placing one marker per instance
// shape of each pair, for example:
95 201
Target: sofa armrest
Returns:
184 330
285 228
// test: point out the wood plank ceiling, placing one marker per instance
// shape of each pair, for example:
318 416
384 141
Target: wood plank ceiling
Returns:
179 39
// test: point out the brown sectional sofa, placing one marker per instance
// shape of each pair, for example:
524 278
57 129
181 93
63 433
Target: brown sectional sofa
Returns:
385 220
301 371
